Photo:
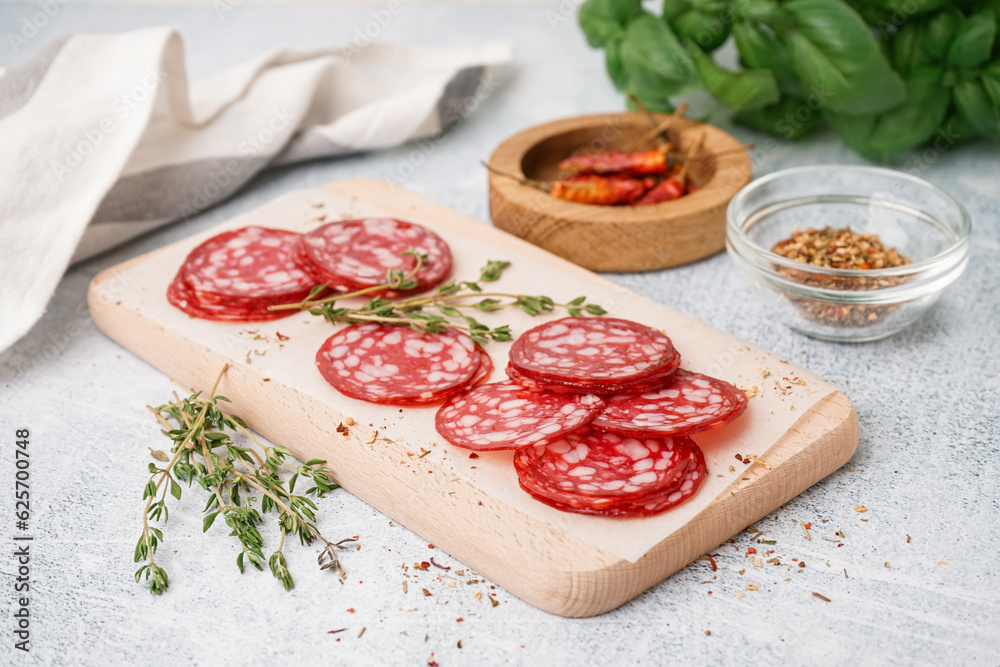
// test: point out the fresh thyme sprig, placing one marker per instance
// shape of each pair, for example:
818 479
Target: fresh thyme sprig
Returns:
235 476
446 308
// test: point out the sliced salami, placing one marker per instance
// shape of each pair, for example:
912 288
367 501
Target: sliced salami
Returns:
639 385
385 363
237 275
353 254
606 465
690 403
689 484
591 350
482 373
687 478
180 294
507 416
252 262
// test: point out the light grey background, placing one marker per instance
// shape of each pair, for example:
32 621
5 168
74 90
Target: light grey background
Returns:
926 467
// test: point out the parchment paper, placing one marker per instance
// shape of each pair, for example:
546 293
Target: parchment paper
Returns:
783 392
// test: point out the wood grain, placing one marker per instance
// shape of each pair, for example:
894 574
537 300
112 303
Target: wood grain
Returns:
616 238
534 560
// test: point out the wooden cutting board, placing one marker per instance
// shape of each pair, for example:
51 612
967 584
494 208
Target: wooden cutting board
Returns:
549 560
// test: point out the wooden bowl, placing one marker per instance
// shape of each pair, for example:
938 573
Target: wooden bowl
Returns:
616 238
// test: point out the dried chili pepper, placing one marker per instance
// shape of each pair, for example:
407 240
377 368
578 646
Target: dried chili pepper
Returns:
668 190
601 190
616 162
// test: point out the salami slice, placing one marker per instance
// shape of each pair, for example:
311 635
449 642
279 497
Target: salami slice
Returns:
661 492
639 385
690 403
180 294
252 262
385 363
606 465
319 275
236 275
689 484
507 416
591 350
353 254
482 373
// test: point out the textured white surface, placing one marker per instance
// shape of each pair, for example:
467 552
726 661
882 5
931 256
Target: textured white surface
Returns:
926 467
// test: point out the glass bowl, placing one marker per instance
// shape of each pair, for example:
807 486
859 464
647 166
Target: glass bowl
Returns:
922 221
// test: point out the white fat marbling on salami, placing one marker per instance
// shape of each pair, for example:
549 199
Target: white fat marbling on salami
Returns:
385 363
252 262
358 253
690 403
507 416
591 348
180 294
552 476
482 373
592 463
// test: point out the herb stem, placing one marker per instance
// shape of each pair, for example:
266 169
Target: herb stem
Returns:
252 481
165 472
404 320
184 443
307 303
237 478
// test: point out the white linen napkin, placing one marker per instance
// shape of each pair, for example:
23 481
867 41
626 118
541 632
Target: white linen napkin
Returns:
101 138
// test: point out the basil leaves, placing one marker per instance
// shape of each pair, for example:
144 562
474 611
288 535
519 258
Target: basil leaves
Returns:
887 75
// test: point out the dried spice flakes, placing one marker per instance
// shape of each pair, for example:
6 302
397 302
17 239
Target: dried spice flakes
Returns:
840 249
